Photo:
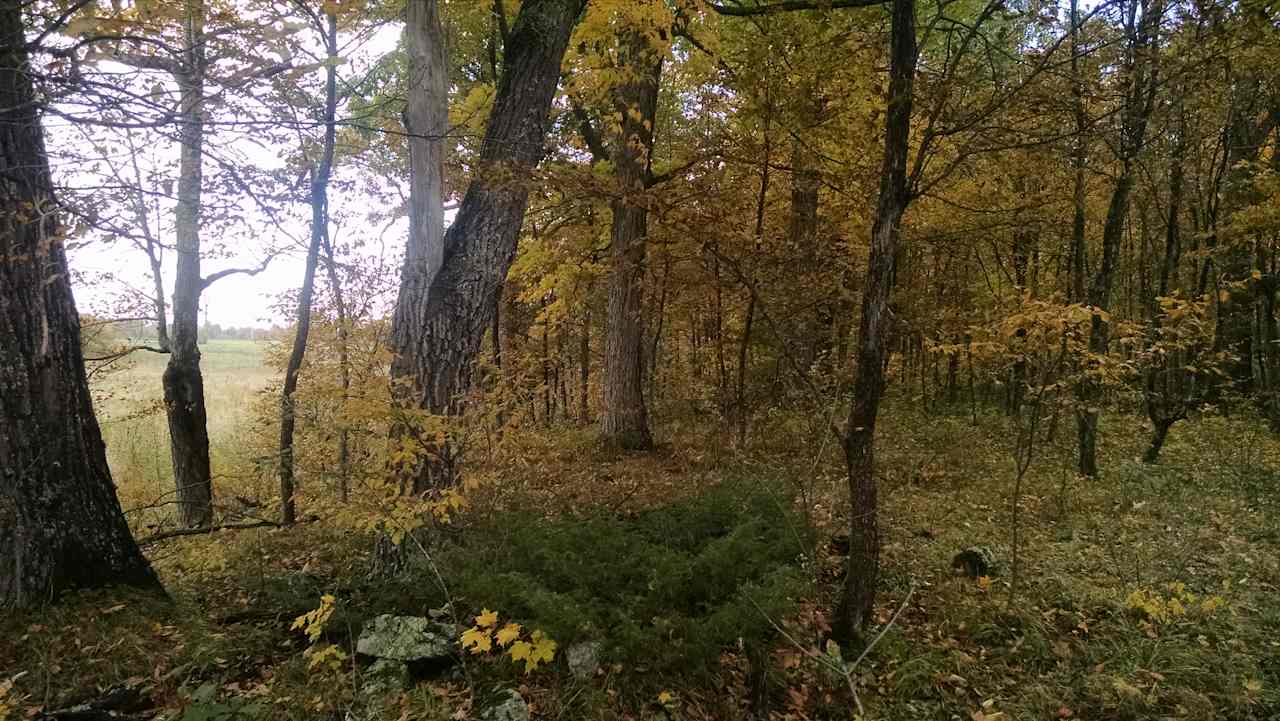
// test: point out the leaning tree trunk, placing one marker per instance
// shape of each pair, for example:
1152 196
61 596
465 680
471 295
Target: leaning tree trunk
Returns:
439 324
183 382
862 575
319 231
624 421
60 521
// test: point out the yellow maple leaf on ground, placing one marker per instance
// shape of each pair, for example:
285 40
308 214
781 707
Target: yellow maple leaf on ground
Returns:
487 618
477 640
509 633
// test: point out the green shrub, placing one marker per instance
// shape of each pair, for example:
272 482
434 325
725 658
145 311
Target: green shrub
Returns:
665 591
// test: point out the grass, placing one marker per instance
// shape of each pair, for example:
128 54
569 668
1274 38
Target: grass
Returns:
129 402
687 562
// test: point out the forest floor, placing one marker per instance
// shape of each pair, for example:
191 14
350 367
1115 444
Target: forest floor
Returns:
704 573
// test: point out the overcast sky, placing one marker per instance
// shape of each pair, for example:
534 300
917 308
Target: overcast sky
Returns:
236 300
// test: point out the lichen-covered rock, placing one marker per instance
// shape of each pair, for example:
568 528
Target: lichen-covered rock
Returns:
975 561
503 704
407 638
385 676
584 659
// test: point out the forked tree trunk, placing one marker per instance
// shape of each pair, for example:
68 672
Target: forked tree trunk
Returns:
439 326
624 421
319 231
60 522
862 575
183 382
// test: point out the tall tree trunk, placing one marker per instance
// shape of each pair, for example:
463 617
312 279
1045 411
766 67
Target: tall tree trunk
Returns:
584 370
1079 158
744 348
863 572
319 231
183 382
1166 386
426 120
1140 70
60 521
624 420
344 370
440 321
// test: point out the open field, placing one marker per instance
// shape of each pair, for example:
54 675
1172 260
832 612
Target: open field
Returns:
129 403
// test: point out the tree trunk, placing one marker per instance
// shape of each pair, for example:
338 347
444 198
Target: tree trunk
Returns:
319 231
60 522
440 320
183 382
584 370
862 574
1079 157
624 421
1138 102
426 120
344 372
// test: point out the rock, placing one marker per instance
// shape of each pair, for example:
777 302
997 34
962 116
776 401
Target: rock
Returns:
503 704
584 659
407 638
975 561
384 677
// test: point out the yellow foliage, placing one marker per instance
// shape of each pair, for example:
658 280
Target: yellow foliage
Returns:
313 622
535 651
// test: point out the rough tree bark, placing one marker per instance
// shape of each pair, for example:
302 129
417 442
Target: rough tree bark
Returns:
60 522
183 382
319 231
440 320
624 421
862 574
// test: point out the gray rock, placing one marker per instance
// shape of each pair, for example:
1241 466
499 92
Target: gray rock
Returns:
584 659
384 677
503 705
407 638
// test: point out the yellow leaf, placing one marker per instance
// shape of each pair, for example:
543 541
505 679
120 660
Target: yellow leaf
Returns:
509 633
487 618
984 582
477 640
665 698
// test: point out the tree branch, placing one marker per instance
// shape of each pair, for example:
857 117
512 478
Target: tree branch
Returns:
180 532
790 6
210 280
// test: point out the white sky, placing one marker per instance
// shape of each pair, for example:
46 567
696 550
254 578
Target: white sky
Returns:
236 300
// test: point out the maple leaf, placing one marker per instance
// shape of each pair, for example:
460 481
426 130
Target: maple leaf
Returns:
477 640
509 633
487 618
665 698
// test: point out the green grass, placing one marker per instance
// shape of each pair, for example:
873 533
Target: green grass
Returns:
129 404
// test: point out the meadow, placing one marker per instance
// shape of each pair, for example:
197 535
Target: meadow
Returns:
129 403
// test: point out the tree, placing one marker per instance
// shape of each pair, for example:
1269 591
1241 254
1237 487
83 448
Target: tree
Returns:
61 526
623 420
863 572
320 173
1141 22
438 334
